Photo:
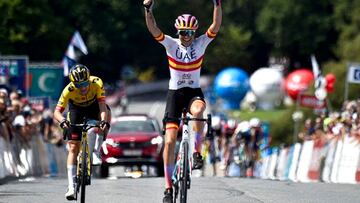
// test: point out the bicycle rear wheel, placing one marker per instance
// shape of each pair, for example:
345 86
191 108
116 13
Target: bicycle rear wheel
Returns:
83 173
184 176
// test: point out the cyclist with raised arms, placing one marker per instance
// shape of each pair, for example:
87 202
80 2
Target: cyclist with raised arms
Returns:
185 56
85 95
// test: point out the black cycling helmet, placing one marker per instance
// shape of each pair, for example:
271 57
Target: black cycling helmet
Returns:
79 75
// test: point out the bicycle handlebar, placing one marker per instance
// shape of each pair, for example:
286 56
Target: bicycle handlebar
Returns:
87 125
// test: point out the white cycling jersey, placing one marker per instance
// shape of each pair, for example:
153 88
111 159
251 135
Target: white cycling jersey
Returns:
185 62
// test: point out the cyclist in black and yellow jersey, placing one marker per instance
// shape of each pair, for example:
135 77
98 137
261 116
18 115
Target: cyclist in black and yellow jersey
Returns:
85 97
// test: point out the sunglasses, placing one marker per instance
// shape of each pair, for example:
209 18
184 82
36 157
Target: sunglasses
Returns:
82 84
186 32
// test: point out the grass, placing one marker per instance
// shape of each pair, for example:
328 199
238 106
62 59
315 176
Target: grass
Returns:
269 116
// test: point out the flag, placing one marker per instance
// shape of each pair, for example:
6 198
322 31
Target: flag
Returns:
78 42
354 74
70 56
316 71
69 59
320 82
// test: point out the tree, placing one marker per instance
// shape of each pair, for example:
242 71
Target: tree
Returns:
298 28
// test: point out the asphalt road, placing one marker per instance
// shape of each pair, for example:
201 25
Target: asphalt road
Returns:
203 189
213 189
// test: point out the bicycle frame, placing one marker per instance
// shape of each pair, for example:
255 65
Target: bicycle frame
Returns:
183 167
84 144
84 159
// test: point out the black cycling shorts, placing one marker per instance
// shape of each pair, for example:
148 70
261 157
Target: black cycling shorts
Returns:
179 99
76 115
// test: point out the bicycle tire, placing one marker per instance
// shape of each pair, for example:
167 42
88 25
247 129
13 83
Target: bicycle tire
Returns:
83 173
176 190
184 176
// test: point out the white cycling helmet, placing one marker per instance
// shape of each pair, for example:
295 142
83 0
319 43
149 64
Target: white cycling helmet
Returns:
216 122
243 126
254 122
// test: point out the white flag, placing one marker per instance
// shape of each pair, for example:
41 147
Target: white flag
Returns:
69 59
78 42
354 74
316 72
320 82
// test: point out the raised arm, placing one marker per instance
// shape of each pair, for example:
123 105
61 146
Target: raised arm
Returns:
150 19
217 17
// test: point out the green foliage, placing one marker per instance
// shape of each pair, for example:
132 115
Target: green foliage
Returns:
297 28
116 34
236 38
262 115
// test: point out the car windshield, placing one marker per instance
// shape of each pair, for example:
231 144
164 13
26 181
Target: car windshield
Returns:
133 126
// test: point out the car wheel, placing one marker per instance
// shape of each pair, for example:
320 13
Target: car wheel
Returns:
104 170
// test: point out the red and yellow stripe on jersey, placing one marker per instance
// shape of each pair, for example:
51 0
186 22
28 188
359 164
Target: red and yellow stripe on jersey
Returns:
181 66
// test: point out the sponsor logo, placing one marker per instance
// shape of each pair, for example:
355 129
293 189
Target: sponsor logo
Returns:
74 136
186 76
185 55
180 82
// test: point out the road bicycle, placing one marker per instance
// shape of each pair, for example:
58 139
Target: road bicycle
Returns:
83 169
181 177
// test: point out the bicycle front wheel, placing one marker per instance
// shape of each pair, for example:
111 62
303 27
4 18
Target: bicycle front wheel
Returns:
184 176
83 173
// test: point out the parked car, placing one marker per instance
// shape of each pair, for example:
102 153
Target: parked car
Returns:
134 139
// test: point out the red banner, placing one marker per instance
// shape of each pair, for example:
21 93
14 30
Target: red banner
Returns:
311 102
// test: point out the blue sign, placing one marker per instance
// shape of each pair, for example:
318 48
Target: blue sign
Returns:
354 74
46 81
13 72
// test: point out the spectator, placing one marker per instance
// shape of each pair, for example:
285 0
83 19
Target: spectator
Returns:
4 121
309 130
14 96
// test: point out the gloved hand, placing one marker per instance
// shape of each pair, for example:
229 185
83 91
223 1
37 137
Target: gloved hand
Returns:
104 125
148 4
64 124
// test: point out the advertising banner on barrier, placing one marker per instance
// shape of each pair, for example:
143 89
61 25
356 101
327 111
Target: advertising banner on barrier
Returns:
282 164
315 163
13 72
46 81
294 162
357 174
265 142
348 162
304 161
329 160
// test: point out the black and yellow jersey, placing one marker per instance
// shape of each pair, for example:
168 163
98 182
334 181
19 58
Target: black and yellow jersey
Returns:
71 95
